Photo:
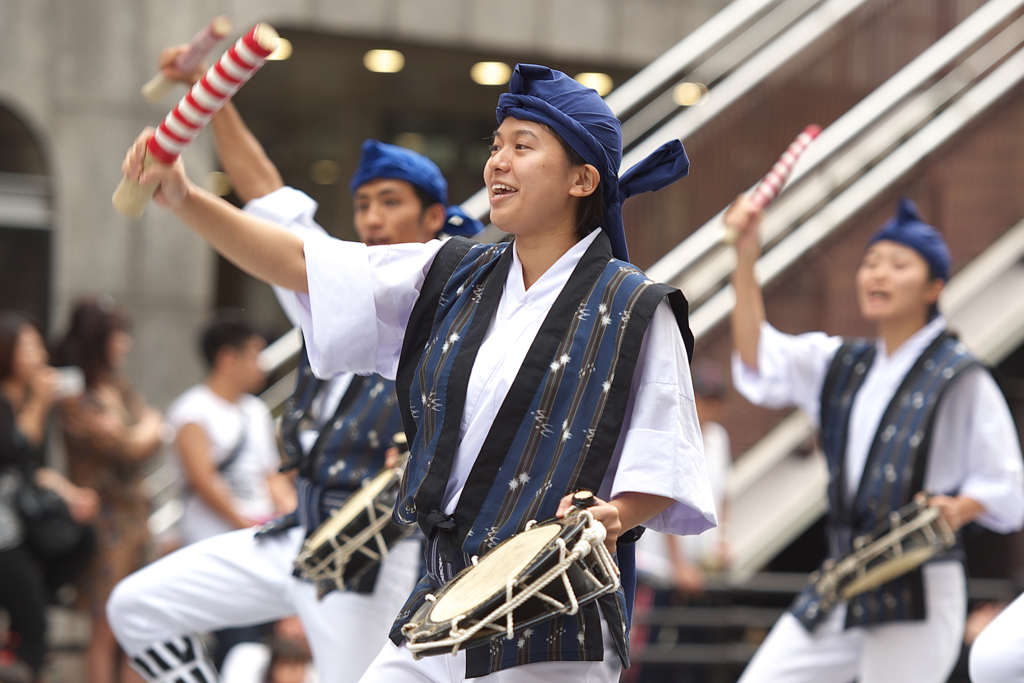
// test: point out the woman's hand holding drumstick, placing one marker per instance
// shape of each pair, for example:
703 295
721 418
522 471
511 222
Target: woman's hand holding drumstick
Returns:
195 109
264 250
771 185
171 182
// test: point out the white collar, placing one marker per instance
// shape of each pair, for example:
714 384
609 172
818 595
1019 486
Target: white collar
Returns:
553 279
916 344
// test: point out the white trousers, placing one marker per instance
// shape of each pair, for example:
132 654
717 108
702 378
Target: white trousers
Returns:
235 579
396 665
920 651
997 655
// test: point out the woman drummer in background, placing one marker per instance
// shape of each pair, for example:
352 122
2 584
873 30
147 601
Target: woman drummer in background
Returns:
471 354
873 401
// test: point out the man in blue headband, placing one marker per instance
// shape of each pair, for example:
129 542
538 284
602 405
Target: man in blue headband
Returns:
334 434
908 412
525 370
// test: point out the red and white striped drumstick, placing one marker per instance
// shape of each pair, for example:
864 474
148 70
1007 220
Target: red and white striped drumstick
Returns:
770 186
159 86
194 111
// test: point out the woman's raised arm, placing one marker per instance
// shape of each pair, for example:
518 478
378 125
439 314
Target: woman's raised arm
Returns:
262 249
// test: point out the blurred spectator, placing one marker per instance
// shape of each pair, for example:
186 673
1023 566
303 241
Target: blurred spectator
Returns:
225 446
110 435
28 389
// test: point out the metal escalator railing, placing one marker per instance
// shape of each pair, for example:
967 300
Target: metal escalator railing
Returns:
866 132
888 171
733 52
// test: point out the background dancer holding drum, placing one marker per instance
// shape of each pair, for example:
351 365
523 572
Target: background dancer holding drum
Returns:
907 412
527 370
334 433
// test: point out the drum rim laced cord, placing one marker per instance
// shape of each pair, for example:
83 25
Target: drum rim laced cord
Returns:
344 547
591 541
833 583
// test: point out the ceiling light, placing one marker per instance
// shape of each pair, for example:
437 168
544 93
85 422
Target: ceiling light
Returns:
690 94
325 172
384 61
490 73
600 82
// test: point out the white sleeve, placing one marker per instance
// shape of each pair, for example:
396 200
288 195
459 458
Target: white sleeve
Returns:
359 302
790 370
294 210
660 450
975 451
189 408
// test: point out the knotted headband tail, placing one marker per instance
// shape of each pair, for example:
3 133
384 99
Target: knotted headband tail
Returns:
582 119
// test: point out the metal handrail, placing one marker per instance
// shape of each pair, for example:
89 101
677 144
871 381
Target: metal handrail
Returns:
745 72
867 113
870 147
868 187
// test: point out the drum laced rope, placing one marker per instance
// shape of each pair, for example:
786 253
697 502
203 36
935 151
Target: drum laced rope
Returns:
917 533
590 543
344 546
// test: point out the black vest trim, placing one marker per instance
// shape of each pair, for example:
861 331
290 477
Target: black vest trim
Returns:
520 395
429 498
421 322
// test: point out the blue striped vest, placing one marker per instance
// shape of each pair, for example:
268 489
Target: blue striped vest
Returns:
554 433
894 471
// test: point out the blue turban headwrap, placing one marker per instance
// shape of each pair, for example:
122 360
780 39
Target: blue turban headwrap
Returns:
581 118
381 160
907 228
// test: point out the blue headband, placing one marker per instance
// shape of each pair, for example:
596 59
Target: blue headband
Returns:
907 228
381 160
581 118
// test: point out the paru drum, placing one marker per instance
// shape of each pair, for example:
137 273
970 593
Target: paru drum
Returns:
907 539
549 568
356 538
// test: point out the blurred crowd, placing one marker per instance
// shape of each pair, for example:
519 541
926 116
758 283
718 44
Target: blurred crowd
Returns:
76 445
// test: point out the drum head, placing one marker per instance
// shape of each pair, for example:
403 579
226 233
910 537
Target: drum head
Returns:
477 591
493 572
354 507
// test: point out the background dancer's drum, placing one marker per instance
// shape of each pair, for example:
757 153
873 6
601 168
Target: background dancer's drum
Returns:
550 568
356 538
906 540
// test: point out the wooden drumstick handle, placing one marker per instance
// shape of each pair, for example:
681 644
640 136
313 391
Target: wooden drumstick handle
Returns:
158 87
131 198
583 499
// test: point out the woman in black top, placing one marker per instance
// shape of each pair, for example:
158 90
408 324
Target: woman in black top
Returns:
28 389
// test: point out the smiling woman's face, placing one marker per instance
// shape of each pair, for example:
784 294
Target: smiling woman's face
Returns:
528 178
893 283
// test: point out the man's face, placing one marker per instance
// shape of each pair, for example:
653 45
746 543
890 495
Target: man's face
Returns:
387 211
242 364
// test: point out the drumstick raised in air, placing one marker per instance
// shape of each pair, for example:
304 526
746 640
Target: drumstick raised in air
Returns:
196 108
772 184
160 86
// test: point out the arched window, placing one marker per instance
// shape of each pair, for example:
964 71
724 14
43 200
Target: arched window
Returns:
25 220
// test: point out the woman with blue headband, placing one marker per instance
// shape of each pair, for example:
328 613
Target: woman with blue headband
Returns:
910 411
477 335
